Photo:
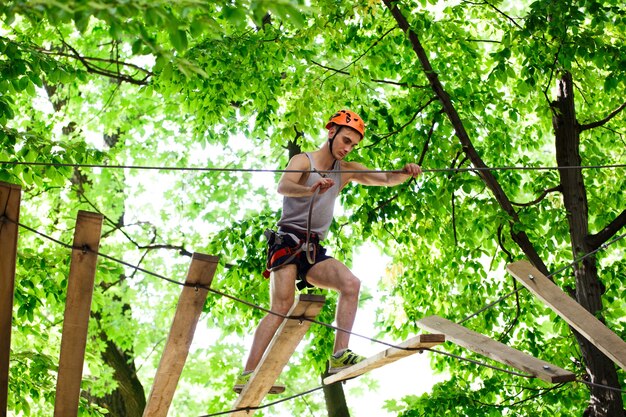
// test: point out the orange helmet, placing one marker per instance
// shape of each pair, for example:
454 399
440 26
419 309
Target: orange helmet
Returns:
347 118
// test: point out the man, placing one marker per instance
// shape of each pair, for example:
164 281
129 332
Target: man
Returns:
291 262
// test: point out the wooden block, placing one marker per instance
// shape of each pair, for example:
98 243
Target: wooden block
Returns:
573 313
190 304
387 356
280 349
77 311
495 350
10 196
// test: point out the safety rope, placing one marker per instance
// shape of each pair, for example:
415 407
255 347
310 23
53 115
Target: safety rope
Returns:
217 292
266 170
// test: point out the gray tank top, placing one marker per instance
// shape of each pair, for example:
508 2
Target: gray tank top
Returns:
296 209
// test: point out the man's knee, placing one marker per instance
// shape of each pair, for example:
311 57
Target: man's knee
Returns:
282 306
351 285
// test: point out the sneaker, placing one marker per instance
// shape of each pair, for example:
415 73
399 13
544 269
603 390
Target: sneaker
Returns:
345 360
244 378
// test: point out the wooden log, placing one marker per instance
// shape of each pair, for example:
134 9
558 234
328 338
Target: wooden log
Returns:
406 348
190 304
10 196
573 313
495 350
280 349
77 310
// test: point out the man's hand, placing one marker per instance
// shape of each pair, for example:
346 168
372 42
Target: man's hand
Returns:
323 184
413 170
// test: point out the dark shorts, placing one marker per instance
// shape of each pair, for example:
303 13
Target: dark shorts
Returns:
282 247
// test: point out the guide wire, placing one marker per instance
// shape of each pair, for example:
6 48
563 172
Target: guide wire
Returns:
248 303
268 170
593 384
475 362
260 407
217 292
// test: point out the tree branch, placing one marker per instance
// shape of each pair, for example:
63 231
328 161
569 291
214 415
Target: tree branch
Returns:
604 121
596 240
401 128
354 61
538 199
100 71
376 80
420 161
520 237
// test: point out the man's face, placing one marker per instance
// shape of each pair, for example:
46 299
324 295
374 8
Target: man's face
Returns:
344 142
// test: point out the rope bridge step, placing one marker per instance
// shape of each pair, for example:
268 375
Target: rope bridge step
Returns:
406 348
495 350
280 349
569 310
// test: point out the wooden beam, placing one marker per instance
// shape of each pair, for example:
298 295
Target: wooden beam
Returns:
390 355
10 196
495 350
77 309
190 304
573 313
280 349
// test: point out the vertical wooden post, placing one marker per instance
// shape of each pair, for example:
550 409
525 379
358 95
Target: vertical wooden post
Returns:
77 310
10 196
186 318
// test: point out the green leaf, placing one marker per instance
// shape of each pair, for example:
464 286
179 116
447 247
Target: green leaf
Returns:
178 39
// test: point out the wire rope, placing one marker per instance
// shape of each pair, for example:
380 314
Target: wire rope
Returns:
217 292
268 170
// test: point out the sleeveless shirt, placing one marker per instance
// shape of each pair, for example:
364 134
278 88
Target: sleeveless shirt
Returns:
296 209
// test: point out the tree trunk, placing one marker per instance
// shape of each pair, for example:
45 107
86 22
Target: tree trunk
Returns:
129 398
519 236
589 289
335 400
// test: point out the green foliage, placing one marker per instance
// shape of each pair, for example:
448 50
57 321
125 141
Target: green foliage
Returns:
228 84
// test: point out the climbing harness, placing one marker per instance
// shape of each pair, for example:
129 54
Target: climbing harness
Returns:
276 238
285 244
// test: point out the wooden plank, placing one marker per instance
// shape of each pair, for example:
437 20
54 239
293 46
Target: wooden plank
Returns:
10 196
77 310
573 313
390 355
280 349
190 304
495 350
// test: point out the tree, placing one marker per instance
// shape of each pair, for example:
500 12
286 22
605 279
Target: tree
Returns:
230 84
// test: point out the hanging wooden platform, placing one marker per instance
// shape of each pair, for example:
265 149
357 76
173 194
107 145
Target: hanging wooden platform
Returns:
190 305
387 356
495 350
77 311
573 313
10 196
280 349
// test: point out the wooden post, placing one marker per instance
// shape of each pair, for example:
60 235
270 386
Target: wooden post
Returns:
278 353
390 355
573 313
77 311
188 312
495 350
10 196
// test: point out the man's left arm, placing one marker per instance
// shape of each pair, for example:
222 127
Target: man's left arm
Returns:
366 176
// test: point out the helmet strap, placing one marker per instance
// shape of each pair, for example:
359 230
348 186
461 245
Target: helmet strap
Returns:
332 140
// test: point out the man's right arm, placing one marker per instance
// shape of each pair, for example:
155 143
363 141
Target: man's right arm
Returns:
289 184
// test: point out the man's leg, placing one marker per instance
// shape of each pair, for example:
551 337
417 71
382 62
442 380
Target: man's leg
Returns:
282 295
334 275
